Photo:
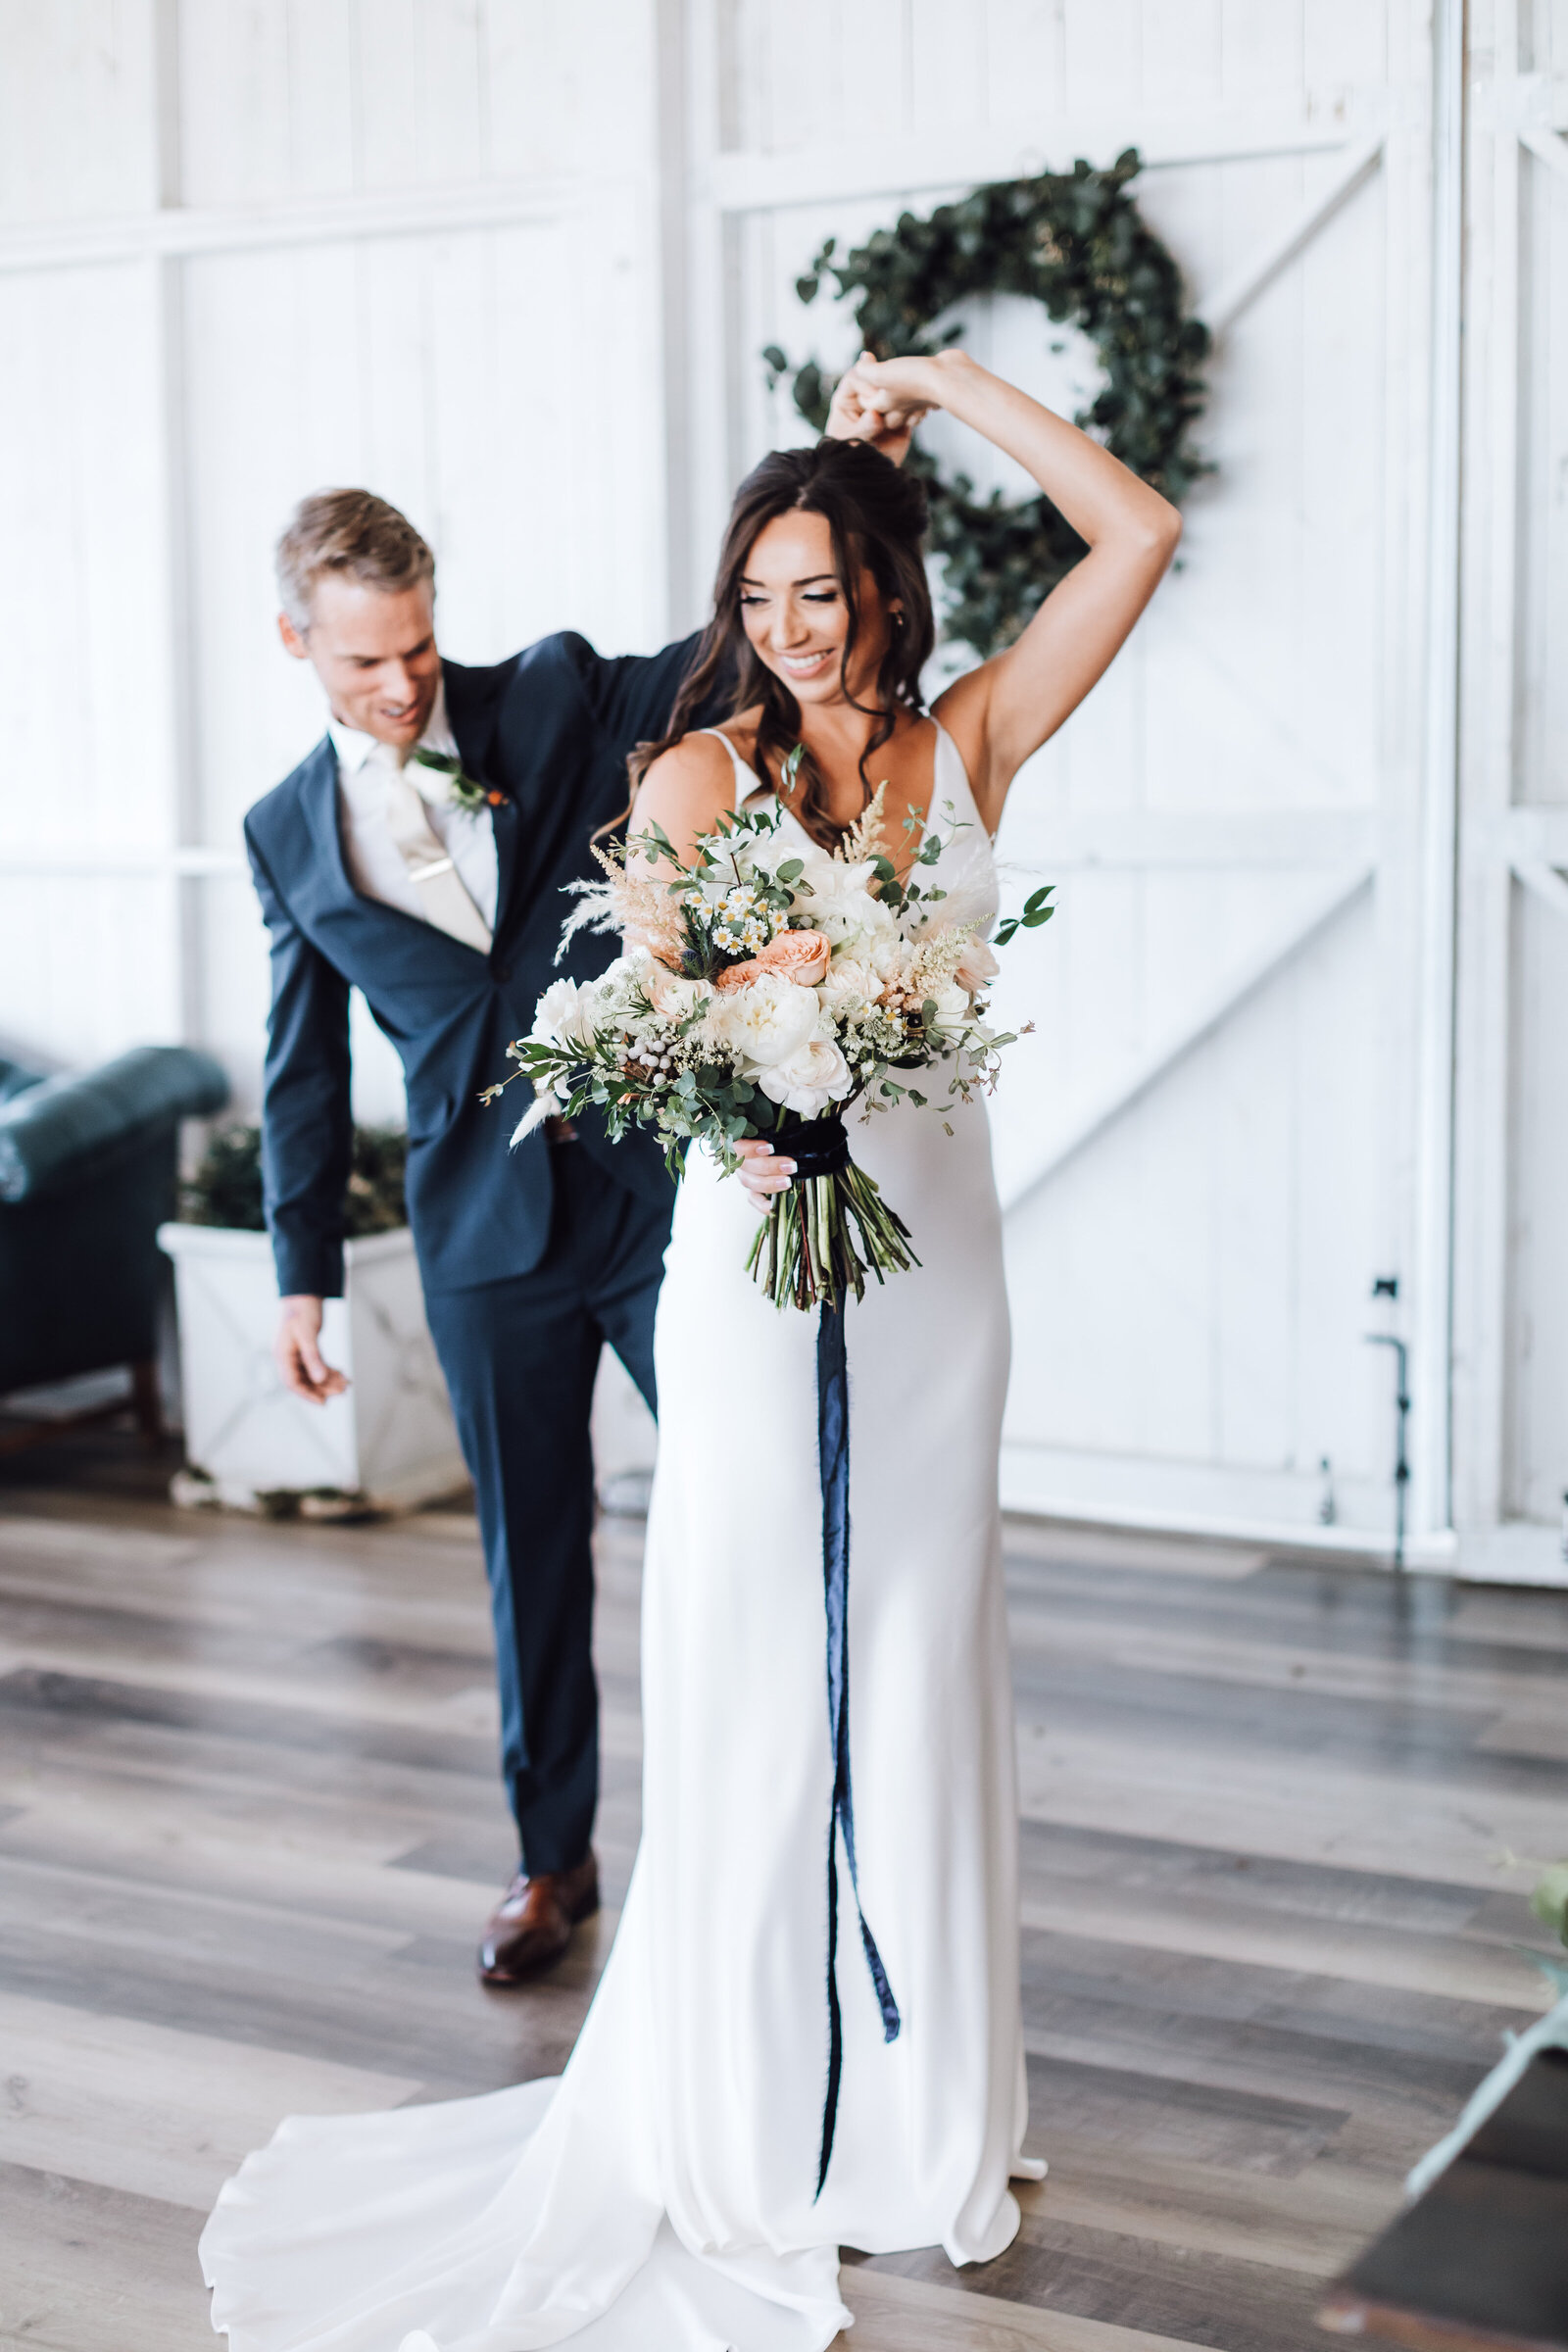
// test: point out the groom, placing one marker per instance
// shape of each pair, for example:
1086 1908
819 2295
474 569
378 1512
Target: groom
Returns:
418 854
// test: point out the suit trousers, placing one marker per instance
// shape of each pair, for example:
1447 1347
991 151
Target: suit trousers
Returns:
519 1357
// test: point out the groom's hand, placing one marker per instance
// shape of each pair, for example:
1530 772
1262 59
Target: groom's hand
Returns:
863 413
297 1348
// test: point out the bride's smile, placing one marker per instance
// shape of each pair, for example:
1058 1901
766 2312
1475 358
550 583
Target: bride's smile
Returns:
798 619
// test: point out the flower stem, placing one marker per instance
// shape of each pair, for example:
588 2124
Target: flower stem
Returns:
824 1236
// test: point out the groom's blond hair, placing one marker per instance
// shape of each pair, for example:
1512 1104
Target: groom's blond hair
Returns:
352 533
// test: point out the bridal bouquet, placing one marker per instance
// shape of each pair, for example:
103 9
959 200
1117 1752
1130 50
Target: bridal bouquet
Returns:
770 986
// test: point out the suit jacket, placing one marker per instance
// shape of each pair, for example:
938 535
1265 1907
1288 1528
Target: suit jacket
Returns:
550 730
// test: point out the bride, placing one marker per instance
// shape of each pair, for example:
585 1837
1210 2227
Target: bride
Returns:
724 2125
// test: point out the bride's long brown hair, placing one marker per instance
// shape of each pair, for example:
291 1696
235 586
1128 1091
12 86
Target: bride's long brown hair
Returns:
876 515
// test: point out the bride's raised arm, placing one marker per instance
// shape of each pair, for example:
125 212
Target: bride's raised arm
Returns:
1012 704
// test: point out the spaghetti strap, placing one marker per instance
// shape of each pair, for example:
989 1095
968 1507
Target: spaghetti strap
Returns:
747 780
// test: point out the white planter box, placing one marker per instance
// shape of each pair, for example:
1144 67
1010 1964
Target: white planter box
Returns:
390 1441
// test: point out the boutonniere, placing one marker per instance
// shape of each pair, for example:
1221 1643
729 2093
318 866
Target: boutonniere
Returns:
458 791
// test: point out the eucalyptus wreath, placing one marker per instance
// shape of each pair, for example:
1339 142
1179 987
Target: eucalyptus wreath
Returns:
1075 242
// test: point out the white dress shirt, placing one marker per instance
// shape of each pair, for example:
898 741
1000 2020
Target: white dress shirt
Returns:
376 863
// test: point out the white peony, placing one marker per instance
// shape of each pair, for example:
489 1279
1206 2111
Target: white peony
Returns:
564 1016
814 1075
889 957
765 1022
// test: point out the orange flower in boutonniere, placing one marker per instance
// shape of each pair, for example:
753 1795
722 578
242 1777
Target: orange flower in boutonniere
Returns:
454 790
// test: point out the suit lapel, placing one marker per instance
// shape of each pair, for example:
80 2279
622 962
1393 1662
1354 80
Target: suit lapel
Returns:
508 829
319 793
473 702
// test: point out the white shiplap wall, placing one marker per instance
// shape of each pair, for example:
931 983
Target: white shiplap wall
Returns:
515 266
342 240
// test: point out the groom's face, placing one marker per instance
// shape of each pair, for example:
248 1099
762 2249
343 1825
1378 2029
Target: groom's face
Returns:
374 649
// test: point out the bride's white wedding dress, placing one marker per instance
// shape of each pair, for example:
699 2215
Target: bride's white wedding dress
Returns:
660 2195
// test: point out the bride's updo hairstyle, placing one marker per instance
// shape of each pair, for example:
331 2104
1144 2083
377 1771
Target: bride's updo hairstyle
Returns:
876 515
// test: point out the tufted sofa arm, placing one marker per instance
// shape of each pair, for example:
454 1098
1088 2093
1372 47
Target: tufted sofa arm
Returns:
64 1129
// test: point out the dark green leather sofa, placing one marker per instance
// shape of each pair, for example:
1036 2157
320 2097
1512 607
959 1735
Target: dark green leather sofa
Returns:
88 1174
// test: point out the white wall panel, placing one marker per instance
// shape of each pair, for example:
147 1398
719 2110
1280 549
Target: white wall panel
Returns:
1542 743
89 965
311 97
87 742
1537 1305
78 109
1191 1291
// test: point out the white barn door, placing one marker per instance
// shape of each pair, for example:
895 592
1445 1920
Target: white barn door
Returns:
1511 1227
1219 1134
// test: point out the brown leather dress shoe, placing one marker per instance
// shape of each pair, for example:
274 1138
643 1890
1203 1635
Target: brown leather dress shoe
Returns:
531 1926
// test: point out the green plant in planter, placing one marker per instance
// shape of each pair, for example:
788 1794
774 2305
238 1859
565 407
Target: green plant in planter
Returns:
226 1186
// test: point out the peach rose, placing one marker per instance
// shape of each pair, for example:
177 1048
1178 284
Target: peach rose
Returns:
737 975
799 955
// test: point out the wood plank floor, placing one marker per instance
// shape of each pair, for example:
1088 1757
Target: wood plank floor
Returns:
249 1827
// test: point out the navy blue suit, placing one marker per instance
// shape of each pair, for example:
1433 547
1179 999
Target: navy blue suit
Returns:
531 1259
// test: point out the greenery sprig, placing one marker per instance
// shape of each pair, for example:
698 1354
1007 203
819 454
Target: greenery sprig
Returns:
463 791
1076 243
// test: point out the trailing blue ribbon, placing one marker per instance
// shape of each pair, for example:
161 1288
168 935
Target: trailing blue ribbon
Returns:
833 1451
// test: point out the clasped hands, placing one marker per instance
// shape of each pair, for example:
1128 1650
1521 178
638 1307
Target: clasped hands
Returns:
881 401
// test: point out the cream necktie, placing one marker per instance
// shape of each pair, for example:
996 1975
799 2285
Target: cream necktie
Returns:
443 901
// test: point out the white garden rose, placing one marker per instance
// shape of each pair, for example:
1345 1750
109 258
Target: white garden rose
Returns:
765 1022
841 902
954 1012
814 1075
673 993
850 981
977 966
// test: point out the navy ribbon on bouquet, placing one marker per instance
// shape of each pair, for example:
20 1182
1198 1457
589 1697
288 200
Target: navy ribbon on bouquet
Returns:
833 1449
